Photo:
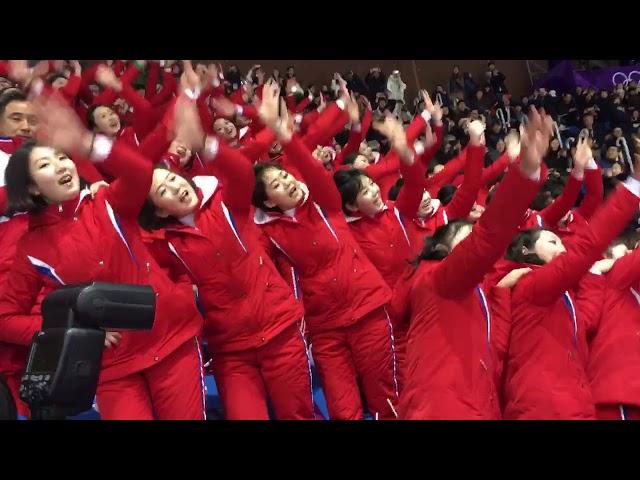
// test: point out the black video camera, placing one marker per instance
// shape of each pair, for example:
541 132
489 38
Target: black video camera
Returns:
63 367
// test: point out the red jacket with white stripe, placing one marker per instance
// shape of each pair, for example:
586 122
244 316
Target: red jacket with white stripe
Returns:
450 370
384 238
614 351
85 240
546 376
246 301
338 282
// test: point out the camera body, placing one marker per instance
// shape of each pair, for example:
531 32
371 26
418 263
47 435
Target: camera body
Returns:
64 361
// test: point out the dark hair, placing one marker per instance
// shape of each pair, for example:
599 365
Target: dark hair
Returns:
55 76
91 122
438 246
18 179
351 158
147 219
446 193
260 188
8 410
395 190
342 137
525 239
13 96
349 183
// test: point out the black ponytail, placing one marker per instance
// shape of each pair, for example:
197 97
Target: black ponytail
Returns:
525 240
438 246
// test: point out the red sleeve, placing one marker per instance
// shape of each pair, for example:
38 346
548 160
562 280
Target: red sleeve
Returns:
308 120
589 300
206 117
466 195
88 76
493 171
353 145
467 264
153 73
302 105
71 89
595 192
388 165
86 169
561 205
415 128
108 96
258 146
328 124
155 144
543 285
3 200
321 186
626 271
410 195
446 175
4 68
169 89
250 112
238 178
17 299
133 175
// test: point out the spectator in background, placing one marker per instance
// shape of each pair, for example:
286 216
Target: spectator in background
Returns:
557 157
233 77
355 83
441 96
456 82
395 86
495 78
480 102
376 83
469 85
635 120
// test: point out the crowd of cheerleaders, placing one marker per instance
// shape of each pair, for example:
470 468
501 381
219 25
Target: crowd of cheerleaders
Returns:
486 303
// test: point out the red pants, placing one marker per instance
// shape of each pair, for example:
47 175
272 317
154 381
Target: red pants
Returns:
617 412
13 382
173 389
278 371
361 353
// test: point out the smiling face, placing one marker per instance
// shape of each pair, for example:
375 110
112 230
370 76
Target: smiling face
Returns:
225 129
368 202
172 194
184 153
19 119
106 121
53 174
426 208
282 189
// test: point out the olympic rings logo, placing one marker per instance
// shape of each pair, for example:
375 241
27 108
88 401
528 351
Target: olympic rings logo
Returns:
625 79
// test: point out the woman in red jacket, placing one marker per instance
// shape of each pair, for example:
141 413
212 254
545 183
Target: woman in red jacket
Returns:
76 238
251 316
614 357
546 368
344 296
450 371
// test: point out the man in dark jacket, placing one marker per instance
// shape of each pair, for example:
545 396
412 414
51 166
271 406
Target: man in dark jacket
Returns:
376 83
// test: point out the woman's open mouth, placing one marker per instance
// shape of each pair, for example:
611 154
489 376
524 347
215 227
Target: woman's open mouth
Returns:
65 179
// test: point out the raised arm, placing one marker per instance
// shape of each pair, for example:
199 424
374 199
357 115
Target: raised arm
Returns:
463 269
544 285
321 186
466 195
595 191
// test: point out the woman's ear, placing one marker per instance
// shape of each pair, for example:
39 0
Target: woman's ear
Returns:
351 207
269 204
161 213
441 248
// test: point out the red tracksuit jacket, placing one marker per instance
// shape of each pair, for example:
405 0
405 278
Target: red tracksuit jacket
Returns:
450 363
338 282
98 239
546 377
246 302
614 351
